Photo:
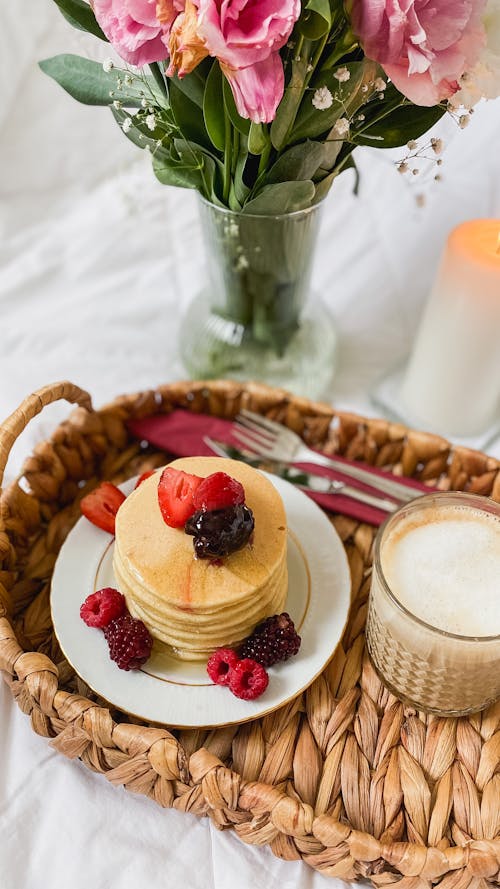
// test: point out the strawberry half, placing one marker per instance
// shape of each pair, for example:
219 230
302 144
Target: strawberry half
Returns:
142 478
100 506
176 491
218 491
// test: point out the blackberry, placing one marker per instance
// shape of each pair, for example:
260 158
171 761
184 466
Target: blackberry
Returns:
220 532
129 641
273 640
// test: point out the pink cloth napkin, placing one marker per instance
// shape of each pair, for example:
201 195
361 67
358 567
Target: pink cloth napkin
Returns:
181 433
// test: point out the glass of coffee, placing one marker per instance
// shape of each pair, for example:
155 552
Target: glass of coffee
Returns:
433 626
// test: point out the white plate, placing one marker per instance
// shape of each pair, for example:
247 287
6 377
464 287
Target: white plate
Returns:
180 694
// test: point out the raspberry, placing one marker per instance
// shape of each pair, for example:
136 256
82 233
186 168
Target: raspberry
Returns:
248 679
218 491
129 641
220 665
100 608
273 640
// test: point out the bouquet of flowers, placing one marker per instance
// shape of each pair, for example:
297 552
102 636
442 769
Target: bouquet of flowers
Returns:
259 105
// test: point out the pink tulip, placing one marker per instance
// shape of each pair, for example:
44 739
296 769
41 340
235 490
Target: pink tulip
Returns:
134 28
246 36
257 89
424 46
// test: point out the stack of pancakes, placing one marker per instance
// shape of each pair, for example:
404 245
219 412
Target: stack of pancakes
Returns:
196 605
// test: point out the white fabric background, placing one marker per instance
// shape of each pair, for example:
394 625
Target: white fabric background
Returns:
97 261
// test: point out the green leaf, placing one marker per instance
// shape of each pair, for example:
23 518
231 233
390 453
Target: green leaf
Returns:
241 190
188 114
394 126
298 163
187 166
284 197
324 186
316 19
80 14
239 123
332 149
203 165
139 133
287 109
160 79
348 97
351 165
213 107
133 134
258 138
193 86
169 172
233 202
86 81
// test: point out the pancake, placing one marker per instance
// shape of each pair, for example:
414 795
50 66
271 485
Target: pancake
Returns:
196 605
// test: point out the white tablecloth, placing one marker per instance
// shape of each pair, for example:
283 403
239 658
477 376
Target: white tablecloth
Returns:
97 261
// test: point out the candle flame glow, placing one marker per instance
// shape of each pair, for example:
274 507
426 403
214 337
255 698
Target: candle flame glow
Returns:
498 244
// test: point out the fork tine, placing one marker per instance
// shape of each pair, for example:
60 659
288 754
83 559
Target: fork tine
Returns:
255 446
270 437
261 440
223 450
214 446
264 422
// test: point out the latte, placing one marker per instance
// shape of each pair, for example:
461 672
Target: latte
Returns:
433 627
444 566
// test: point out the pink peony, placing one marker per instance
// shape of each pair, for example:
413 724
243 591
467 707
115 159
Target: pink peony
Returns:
424 46
133 27
246 37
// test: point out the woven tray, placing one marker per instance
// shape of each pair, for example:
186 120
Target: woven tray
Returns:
345 777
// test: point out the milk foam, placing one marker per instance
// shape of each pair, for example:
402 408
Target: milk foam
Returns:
444 566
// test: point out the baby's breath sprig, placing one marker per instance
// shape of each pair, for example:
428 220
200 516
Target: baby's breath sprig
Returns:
430 151
414 162
461 116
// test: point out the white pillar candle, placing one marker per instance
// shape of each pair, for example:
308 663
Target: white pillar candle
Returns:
452 382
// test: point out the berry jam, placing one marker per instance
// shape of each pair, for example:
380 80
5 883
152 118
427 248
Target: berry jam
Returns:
220 532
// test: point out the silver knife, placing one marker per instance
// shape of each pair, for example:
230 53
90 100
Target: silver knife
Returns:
317 484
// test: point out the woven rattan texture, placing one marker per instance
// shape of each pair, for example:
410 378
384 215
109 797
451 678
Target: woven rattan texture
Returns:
345 777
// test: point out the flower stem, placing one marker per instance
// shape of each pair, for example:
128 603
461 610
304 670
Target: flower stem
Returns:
264 158
236 150
308 73
227 158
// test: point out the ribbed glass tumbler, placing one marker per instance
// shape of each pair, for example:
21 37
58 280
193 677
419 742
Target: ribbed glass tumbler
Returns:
424 665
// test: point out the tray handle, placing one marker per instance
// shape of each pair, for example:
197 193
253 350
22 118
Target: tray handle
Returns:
11 428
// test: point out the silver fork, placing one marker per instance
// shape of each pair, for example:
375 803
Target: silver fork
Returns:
309 482
273 440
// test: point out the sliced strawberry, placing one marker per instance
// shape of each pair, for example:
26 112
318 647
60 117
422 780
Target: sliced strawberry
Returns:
176 491
142 478
218 491
100 506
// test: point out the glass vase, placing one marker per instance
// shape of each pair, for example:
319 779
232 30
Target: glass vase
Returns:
254 318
